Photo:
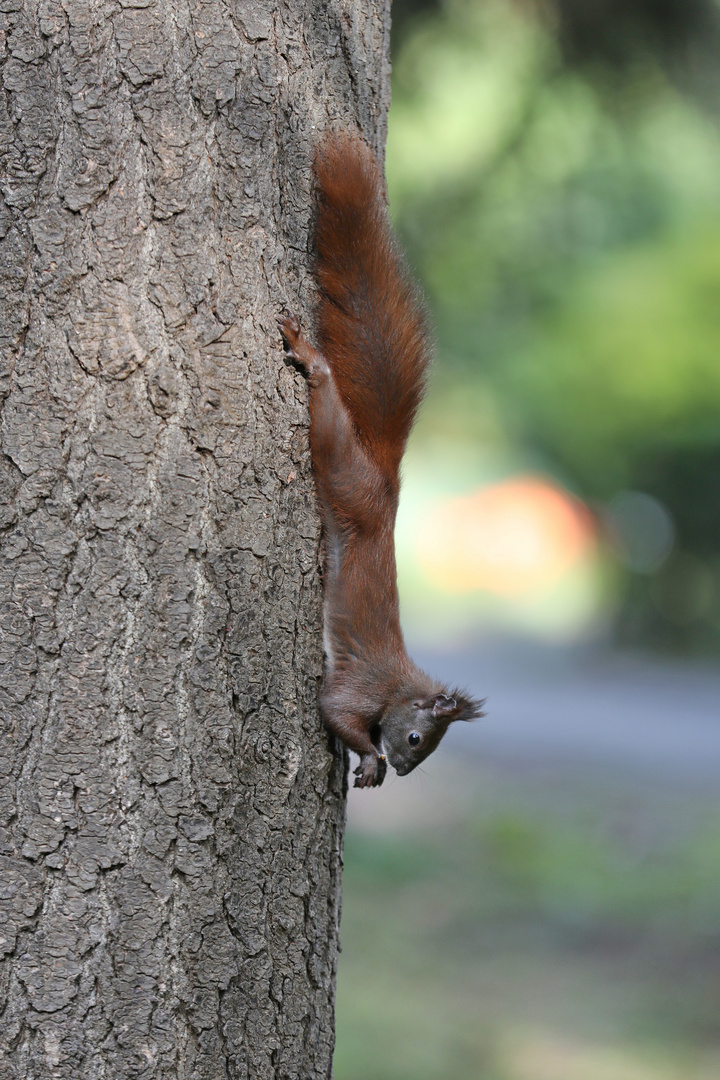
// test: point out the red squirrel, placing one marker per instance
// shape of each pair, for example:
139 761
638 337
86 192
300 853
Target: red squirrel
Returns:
366 383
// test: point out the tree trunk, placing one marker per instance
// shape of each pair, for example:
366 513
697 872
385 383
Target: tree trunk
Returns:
172 810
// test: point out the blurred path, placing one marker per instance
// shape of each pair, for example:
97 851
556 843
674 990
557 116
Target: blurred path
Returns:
554 704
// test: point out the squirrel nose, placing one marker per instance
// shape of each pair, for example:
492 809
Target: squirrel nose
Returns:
403 770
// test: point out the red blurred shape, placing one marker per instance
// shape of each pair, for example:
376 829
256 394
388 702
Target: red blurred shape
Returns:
515 537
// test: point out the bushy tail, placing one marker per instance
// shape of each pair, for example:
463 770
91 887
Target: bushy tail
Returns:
371 323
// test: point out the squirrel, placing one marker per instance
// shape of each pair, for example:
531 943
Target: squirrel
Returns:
366 382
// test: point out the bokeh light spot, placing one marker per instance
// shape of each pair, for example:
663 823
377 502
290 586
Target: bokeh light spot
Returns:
514 537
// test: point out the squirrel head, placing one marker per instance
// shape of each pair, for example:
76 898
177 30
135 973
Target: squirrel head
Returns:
412 728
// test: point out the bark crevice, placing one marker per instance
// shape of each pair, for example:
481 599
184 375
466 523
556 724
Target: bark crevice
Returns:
171 810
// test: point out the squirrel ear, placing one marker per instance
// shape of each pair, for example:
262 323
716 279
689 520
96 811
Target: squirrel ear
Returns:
457 707
444 705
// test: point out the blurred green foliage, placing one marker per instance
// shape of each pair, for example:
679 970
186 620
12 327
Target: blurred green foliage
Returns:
553 169
592 916
581 877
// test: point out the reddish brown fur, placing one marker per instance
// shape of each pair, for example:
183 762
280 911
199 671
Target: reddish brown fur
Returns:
370 319
364 393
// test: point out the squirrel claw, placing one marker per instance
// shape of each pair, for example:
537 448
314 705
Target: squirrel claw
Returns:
290 329
289 320
370 772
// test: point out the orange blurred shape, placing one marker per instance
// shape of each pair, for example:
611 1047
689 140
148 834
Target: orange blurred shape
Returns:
514 537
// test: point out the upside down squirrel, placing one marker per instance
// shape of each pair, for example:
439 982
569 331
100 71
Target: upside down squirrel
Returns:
366 383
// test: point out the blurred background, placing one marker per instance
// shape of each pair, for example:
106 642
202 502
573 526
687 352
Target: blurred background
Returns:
541 901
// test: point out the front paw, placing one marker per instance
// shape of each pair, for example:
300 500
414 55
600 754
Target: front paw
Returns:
291 334
371 771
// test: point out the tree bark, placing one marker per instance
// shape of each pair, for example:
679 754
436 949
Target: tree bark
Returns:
172 810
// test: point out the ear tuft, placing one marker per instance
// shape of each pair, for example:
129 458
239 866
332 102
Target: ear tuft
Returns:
467 708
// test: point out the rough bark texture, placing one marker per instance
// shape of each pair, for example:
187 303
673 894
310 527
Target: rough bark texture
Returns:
172 811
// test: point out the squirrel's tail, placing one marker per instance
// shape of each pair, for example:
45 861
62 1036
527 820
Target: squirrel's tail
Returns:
371 322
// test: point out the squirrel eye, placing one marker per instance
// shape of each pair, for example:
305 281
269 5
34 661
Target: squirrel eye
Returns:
413 738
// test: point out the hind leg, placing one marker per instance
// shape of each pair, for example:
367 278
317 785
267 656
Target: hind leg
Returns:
298 348
349 483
